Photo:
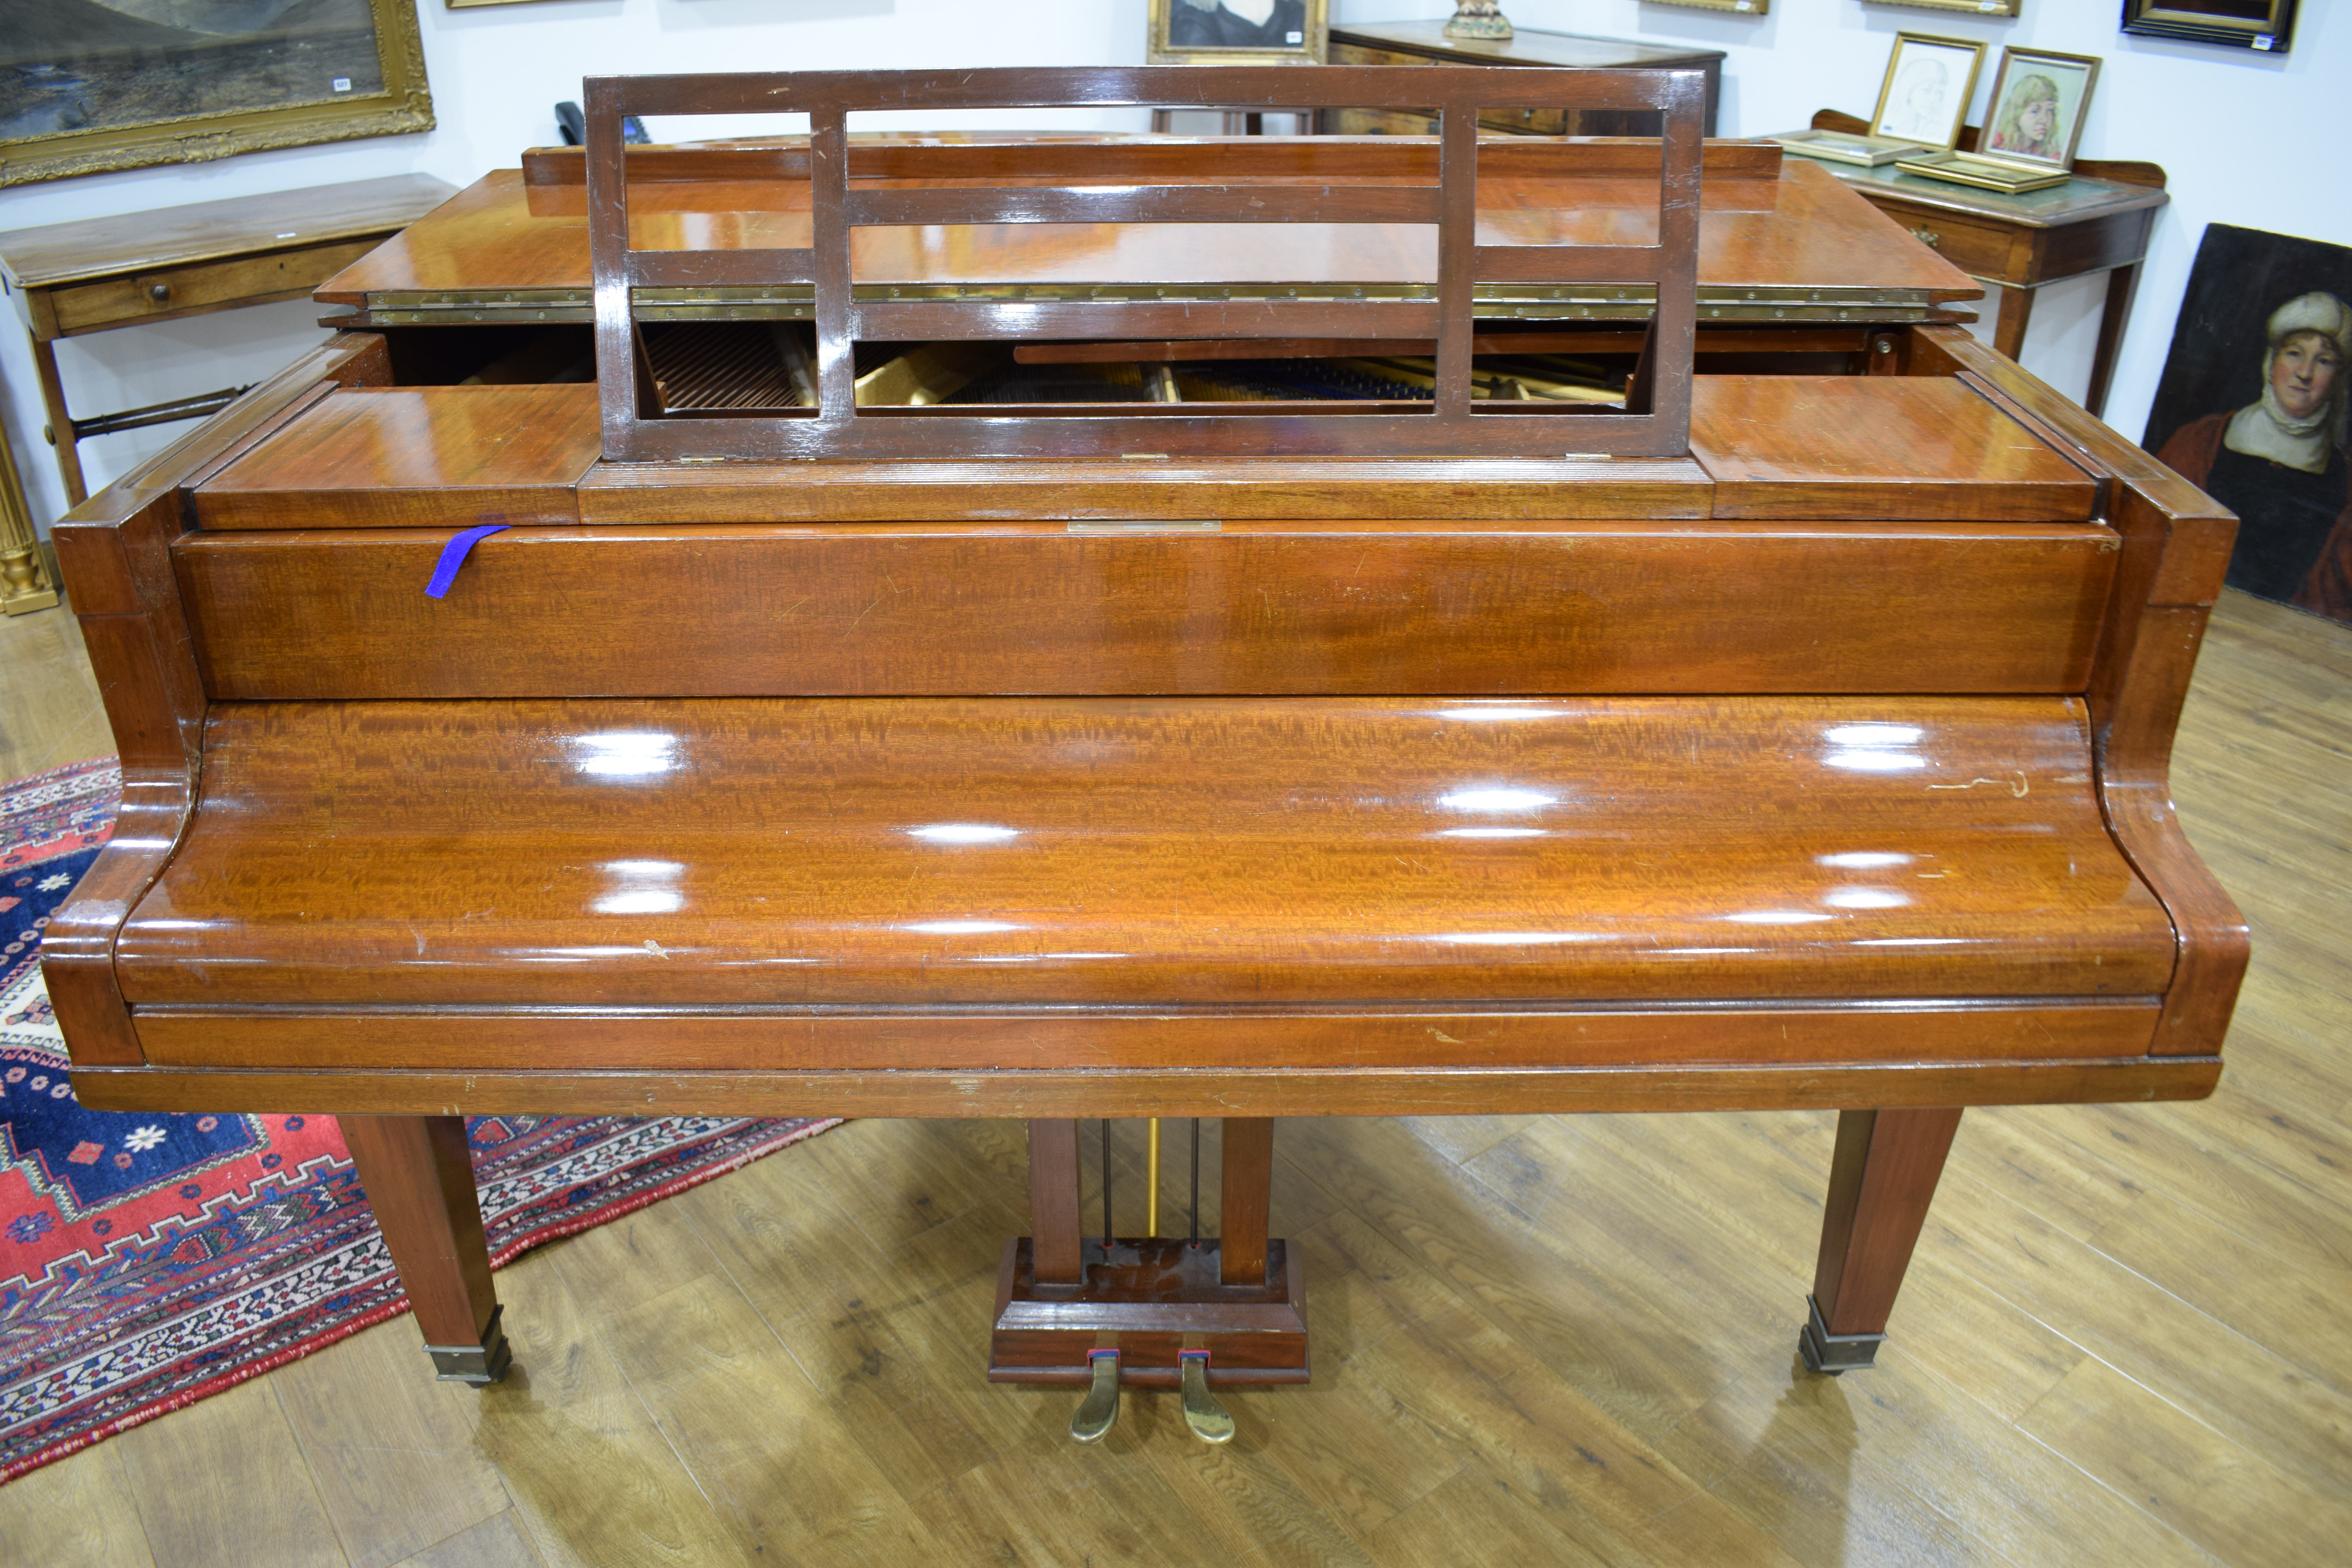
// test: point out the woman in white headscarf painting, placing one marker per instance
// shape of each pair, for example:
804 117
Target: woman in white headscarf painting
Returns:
1237 24
2280 462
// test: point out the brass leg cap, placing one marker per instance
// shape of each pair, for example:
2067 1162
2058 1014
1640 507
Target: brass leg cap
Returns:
1210 1421
1099 1411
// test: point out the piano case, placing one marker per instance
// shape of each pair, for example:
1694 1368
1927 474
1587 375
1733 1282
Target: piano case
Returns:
1760 741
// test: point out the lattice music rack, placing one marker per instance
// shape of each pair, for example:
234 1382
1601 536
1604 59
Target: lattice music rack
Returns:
1656 422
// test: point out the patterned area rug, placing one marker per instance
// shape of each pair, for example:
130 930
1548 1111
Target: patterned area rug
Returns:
147 1261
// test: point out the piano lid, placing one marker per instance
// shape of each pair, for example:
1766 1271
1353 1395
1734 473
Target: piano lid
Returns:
1778 242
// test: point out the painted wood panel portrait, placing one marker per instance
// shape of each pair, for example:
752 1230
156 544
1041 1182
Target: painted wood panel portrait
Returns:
2252 408
91 86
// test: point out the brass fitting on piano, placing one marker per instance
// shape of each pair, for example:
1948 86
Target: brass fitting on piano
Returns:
1210 1421
1098 1411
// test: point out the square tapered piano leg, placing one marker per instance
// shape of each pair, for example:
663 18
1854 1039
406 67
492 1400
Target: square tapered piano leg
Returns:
419 1177
1880 1180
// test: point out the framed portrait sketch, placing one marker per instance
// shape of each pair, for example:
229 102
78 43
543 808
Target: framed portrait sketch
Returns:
2039 98
2265 25
88 87
1237 32
2253 406
1924 97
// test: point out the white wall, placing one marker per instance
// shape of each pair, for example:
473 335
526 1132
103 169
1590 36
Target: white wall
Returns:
2259 140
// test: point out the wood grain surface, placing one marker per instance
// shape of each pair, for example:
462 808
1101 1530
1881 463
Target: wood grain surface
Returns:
415 456
1524 608
1875 447
60 253
1789 232
1107 851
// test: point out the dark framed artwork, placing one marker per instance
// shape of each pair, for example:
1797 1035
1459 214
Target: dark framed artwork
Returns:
88 87
2252 408
2265 25
1237 32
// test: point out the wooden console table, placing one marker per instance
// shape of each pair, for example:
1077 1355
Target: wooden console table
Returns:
97 274
1425 44
2098 221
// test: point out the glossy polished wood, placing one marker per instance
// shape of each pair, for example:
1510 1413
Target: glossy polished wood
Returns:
2177 544
1855 446
1244 1091
1859 449
1881 1181
1069 851
1370 1038
498 236
1179 903
411 457
1243 607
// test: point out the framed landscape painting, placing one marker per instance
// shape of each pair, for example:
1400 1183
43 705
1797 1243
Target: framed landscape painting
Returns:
88 87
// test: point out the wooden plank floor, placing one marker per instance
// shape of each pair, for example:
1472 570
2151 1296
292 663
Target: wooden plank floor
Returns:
2127 1337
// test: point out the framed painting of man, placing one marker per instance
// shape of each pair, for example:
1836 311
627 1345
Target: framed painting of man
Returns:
2252 409
1237 32
88 87
2265 25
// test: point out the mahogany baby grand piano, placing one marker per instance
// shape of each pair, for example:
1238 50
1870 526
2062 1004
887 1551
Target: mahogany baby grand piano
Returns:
1115 628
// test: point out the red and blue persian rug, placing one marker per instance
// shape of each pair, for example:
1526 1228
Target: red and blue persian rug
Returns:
147 1261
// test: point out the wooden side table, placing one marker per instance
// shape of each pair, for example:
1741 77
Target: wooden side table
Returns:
1425 44
68 279
2098 221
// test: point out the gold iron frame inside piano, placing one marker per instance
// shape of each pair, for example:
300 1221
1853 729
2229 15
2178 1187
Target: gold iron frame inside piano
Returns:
1655 423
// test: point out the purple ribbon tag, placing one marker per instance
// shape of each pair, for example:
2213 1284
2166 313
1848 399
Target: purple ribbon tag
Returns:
453 555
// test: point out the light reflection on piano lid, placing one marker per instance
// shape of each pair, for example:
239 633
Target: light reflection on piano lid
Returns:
1509 938
962 832
961 928
1497 799
1873 748
1866 899
624 753
1498 713
641 888
1489 833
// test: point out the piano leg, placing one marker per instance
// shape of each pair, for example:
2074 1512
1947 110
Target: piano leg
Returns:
1881 1181
420 1179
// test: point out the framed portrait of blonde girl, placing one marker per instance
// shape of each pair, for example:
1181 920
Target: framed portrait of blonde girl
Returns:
2037 108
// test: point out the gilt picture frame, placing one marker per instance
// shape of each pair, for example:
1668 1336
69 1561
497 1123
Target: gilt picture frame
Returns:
1741 7
2005 9
1237 32
96 87
1926 93
2040 100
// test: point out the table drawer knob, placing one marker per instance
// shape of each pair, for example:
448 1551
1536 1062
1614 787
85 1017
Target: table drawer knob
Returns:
1928 237
159 292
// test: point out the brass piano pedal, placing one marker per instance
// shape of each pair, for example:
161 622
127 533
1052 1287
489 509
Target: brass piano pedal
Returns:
1098 1412
1210 1421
